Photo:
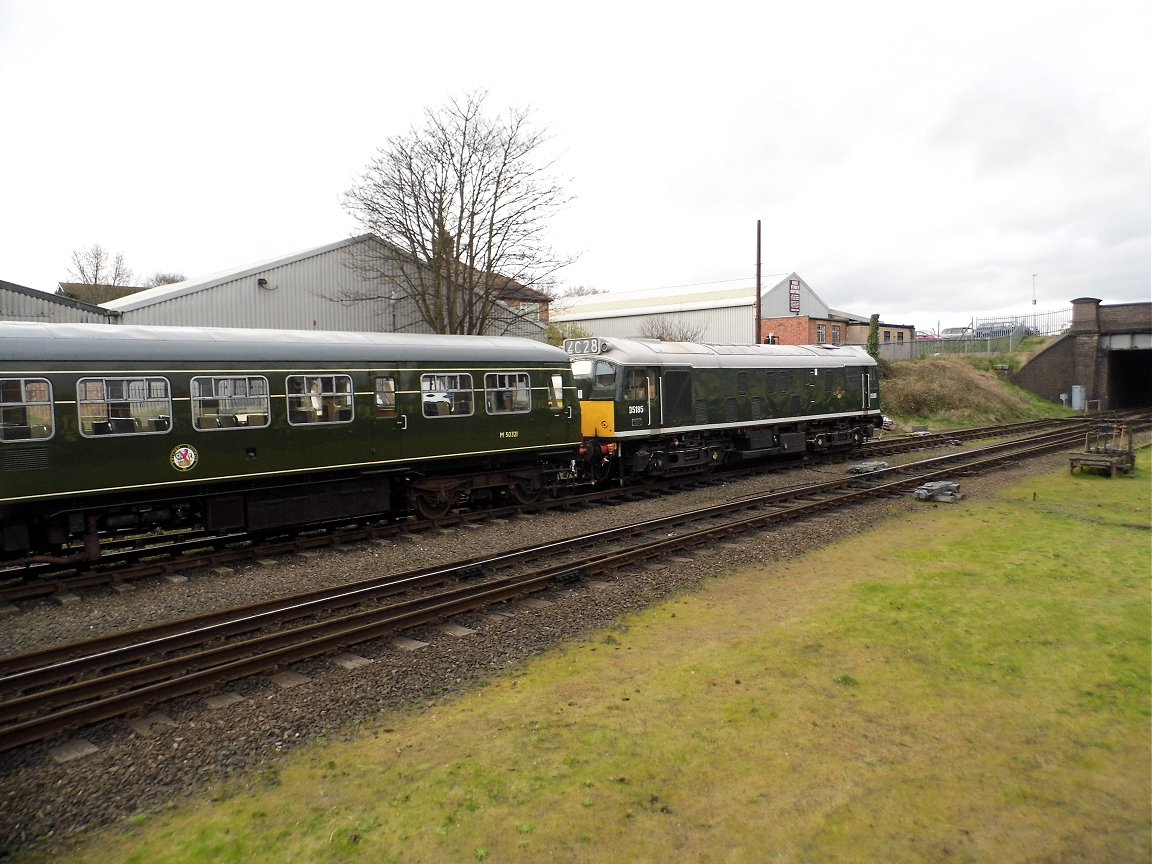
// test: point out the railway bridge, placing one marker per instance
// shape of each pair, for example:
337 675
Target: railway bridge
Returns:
1103 361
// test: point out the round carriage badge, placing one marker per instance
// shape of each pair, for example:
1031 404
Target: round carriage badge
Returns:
184 457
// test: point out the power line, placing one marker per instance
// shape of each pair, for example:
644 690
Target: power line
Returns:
713 282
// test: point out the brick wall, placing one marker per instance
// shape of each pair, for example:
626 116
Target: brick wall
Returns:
795 330
1126 318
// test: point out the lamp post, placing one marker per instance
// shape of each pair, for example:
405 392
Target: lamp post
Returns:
1034 275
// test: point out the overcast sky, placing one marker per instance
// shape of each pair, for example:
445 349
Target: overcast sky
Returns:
919 160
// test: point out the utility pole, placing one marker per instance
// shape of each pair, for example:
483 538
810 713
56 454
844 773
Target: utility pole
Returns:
756 337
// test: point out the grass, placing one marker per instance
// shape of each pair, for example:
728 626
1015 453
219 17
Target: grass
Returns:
955 391
971 684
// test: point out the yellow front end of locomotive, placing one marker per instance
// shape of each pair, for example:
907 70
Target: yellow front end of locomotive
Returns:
597 419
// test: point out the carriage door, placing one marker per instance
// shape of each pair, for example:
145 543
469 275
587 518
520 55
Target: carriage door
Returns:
389 420
870 396
641 401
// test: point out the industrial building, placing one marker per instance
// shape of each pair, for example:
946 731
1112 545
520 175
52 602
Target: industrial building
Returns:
18 303
325 288
725 314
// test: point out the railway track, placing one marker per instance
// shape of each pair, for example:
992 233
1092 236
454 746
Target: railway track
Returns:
52 693
127 561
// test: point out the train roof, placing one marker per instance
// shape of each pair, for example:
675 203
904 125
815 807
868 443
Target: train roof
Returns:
114 342
697 355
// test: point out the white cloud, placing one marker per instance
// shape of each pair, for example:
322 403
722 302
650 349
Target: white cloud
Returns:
908 158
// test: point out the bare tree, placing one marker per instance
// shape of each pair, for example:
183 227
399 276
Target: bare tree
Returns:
163 279
580 291
96 266
461 206
667 330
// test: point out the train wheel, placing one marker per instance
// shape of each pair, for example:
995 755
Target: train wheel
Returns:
428 505
520 492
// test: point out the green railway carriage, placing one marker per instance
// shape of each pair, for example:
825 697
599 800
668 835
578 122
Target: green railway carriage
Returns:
652 408
106 427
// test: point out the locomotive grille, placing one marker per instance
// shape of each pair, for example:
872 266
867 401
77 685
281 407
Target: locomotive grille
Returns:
24 459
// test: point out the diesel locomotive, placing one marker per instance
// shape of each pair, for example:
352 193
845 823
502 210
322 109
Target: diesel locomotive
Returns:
650 408
108 429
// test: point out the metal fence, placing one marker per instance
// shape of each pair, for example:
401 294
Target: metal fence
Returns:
984 335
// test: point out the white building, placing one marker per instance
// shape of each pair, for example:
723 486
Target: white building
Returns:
721 314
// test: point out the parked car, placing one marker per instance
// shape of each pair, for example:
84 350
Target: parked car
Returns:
956 333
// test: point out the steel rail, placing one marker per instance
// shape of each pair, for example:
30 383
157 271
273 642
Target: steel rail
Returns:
37 668
135 689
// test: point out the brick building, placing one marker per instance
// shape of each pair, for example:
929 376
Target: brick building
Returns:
793 314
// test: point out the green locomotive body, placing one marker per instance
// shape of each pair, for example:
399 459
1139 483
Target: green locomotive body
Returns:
652 408
106 427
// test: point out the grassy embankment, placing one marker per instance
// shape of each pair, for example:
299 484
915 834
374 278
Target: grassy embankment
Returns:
956 391
970 684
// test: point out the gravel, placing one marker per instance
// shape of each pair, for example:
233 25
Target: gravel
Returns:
193 745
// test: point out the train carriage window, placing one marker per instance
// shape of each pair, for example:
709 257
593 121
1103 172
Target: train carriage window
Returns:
319 399
385 399
25 409
446 394
507 393
230 402
124 406
556 392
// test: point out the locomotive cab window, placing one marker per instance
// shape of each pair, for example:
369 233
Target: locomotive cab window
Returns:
595 379
446 394
635 385
319 399
124 406
25 409
507 393
230 402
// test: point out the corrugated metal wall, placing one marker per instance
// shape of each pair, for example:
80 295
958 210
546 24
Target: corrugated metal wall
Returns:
321 292
24 304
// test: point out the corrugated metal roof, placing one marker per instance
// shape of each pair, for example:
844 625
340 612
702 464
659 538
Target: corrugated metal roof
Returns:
652 301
